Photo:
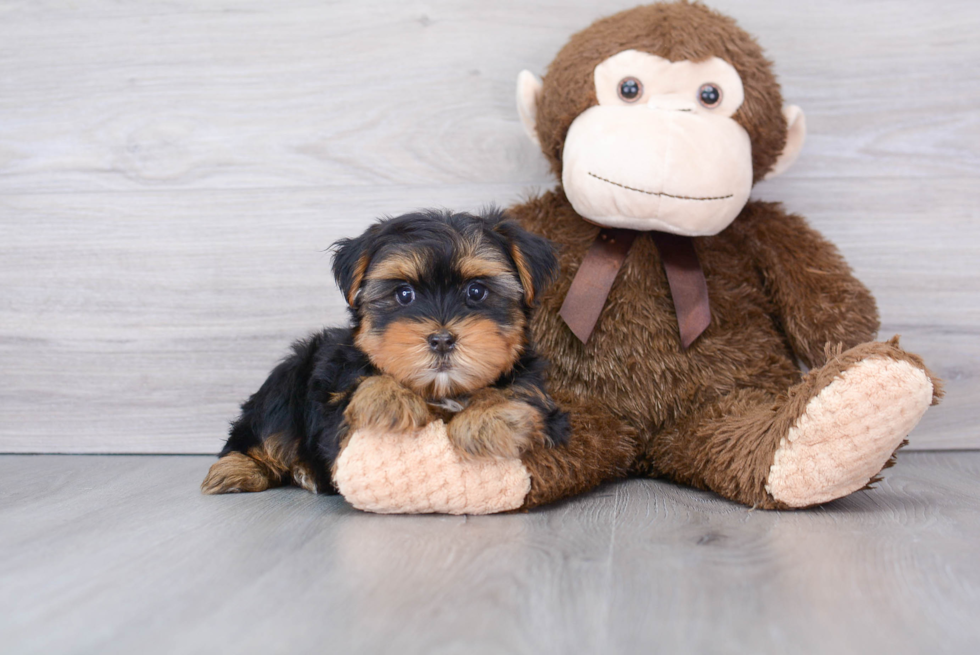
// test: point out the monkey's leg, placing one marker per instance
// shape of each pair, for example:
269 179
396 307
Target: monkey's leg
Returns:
826 437
600 448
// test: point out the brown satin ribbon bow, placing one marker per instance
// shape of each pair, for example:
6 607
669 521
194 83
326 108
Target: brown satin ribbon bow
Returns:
601 264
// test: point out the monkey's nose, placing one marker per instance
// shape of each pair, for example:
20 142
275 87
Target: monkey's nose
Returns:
670 103
442 342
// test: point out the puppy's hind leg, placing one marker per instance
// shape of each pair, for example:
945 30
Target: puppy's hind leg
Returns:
262 467
236 472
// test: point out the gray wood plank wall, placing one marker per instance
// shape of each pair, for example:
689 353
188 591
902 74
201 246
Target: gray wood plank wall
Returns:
172 172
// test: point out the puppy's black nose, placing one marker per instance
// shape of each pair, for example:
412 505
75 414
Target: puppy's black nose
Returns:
442 342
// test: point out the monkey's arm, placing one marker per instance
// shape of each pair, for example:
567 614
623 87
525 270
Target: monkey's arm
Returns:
816 296
600 448
422 472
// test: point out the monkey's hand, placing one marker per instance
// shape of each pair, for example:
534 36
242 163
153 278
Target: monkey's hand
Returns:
382 403
495 425
421 472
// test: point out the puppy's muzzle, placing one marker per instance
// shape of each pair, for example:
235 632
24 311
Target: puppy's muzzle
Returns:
442 342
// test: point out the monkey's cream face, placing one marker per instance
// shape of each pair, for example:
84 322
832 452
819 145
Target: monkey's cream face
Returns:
661 150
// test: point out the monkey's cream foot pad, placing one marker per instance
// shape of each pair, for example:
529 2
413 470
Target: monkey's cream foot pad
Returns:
848 432
420 473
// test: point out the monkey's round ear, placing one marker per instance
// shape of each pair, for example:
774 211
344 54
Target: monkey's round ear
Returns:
534 258
350 262
528 93
795 137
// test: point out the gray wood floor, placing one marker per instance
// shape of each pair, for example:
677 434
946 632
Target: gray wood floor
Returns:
121 554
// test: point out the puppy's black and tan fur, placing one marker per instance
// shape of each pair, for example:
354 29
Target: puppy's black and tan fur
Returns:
439 305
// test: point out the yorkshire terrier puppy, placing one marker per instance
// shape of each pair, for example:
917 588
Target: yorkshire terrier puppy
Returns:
439 306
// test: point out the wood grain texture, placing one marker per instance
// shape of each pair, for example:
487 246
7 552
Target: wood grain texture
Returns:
191 94
170 173
123 554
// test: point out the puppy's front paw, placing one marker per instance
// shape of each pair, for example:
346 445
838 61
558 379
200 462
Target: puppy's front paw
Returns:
381 402
495 426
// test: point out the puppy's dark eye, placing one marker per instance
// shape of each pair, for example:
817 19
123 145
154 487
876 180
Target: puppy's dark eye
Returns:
476 292
405 295
630 89
709 95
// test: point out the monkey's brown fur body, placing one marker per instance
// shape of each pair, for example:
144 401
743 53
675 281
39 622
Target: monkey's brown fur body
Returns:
711 416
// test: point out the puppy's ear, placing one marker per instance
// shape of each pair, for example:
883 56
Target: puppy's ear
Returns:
351 258
534 256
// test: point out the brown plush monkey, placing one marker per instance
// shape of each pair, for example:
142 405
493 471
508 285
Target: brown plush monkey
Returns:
683 309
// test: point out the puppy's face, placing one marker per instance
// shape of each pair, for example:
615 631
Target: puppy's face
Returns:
442 307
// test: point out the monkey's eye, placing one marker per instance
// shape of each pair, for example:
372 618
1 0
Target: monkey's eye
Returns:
630 89
476 292
709 95
405 295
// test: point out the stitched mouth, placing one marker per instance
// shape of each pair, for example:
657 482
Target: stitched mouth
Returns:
657 193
